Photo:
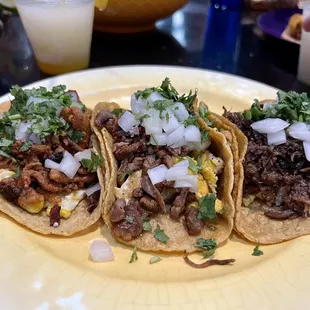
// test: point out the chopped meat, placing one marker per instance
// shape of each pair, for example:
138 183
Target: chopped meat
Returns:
83 171
179 204
10 189
122 171
167 160
122 150
70 145
118 212
279 174
150 162
152 149
69 188
138 192
56 157
29 196
93 201
191 197
184 150
6 163
55 216
194 226
150 189
136 164
50 197
40 150
149 204
160 186
174 151
102 117
169 194
162 153
128 230
61 178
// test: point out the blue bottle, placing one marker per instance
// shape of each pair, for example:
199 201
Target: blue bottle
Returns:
230 4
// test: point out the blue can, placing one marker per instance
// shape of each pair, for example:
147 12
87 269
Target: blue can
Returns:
227 4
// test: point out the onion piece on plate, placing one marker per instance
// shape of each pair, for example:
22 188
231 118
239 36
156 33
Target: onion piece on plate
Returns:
50 164
190 181
153 124
171 124
175 173
157 174
69 165
298 126
154 96
270 125
276 138
100 251
176 135
180 111
160 139
93 189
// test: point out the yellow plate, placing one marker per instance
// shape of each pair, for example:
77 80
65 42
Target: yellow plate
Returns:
44 273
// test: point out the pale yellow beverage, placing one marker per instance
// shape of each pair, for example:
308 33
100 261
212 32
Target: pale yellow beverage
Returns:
60 32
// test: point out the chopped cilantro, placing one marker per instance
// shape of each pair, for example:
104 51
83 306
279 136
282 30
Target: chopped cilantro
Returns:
76 136
134 255
207 207
167 117
168 91
141 116
257 251
188 100
93 163
192 165
144 94
155 259
81 106
14 117
118 112
160 235
208 245
204 112
25 147
191 120
4 154
212 227
147 226
162 105
16 175
205 135
199 161
290 106
129 219
5 145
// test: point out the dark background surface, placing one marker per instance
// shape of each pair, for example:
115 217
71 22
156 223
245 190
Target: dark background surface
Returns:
199 35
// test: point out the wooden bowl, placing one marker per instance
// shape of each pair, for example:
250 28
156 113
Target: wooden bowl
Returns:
127 16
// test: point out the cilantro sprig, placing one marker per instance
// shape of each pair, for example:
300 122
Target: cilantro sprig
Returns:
207 207
290 106
207 245
257 251
160 235
92 164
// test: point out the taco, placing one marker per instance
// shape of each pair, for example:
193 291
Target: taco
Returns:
276 192
50 162
171 174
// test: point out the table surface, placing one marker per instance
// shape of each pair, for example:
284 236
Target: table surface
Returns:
198 35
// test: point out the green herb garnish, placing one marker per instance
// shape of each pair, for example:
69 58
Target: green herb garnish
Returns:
134 255
257 251
191 120
160 235
26 146
207 207
93 163
208 245
155 259
118 112
147 226
16 175
129 219
205 135
76 136
204 113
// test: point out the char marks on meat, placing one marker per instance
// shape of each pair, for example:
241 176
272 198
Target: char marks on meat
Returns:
138 192
10 189
280 173
193 225
118 211
29 196
92 201
149 204
55 216
179 204
129 230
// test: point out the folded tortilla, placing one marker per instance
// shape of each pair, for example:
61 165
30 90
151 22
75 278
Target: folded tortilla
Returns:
179 239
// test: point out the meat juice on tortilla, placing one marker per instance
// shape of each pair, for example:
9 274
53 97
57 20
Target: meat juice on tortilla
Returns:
49 161
276 192
170 187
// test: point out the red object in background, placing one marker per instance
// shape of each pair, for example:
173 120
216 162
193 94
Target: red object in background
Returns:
270 4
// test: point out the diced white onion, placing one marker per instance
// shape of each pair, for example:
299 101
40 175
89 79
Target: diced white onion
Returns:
35 139
300 135
50 164
307 149
180 111
276 138
160 139
73 94
175 173
21 130
298 126
35 100
58 111
176 135
153 124
190 181
182 163
192 134
180 143
100 251
155 96
1 115
127 121
137 105
171 125
158 174
86 154
270 125
93 189
69 165
268 104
